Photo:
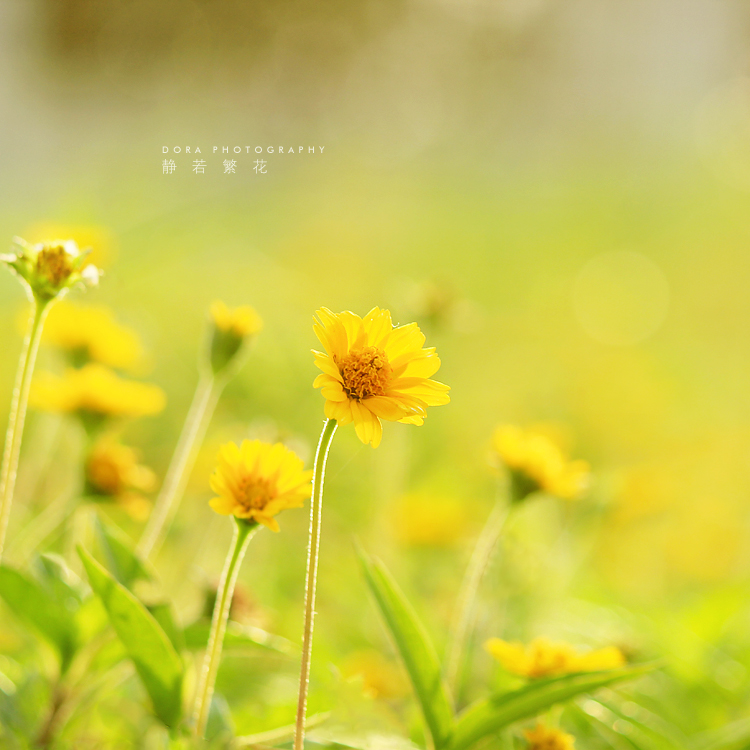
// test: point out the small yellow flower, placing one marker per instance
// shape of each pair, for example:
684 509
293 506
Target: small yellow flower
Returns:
547 738
232 327
381 678
113 471
95 391
537 463
92 334
544 658
373 371
257 480
424 520
49 269
100 239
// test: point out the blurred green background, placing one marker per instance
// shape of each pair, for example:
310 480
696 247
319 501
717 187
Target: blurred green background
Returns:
556 192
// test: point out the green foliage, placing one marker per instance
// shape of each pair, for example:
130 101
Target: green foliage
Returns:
120 560
148 646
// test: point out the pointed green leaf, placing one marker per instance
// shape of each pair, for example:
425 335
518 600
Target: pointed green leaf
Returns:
40 608
118 556
164 615
416 650
148 646
498 711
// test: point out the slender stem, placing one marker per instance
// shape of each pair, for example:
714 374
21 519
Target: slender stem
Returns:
465 604
17 416
313 551
243 531
204 402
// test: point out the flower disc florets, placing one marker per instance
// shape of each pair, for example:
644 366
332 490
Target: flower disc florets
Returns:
49 269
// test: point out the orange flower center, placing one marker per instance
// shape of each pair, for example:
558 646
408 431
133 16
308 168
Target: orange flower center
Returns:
366 372
53 262
253 493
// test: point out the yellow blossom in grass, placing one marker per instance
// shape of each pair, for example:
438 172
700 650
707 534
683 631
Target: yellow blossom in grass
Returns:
380 677
545 658
548 738
49 269
95 391
92 334
373 371
232 327
537 463
257 480
114 472
100 239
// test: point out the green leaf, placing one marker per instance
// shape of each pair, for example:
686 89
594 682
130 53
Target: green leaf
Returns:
416 650
236 636
148 646
118 557
734 736
502 709
164 615
52 618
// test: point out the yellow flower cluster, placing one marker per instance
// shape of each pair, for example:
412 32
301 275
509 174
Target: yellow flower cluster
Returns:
537 463
92 334
548 738
545 658
373 371
257 480
95 390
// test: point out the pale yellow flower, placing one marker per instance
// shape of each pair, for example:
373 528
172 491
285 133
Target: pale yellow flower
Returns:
426 520
232 329
257 480
381 678
100 239
92 334
373 371
537 463
95 390
49 269
113 471
548 738
545 658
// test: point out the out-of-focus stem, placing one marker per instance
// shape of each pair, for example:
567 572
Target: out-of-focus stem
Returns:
243 531
204 402
17 416
313 551
466 603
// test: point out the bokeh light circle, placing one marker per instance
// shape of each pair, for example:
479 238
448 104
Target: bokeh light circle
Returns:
621 297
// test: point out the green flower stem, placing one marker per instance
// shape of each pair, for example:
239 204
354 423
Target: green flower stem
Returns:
17 416
313 551
467 596
201 410
243 531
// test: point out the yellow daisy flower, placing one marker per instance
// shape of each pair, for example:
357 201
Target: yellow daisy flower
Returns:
95 390
232 327
537 463
100 239
544 658
373 371
547 738
257 480
92 333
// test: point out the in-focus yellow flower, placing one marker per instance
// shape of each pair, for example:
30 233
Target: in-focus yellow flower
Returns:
425 520
113 472
49 269
95 391
373 371
545 658
232 327
537 463
100 239
257 480
548 738
92 334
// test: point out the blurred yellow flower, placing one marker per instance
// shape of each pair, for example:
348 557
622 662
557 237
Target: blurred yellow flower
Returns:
537 463
422 519
96 391
381 677
232 327
373 371
548 738
257 480
92 333
545 658
99 239
49 269
113 471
